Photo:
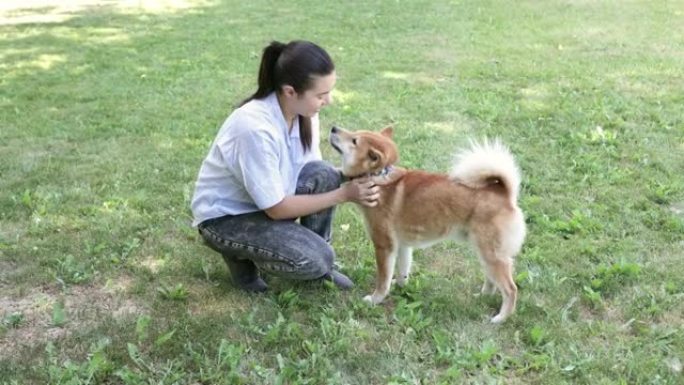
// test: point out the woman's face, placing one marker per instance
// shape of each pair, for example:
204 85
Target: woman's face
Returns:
310 102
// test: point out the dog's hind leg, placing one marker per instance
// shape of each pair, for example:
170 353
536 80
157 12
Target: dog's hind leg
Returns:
499 263
385 258
405 258
501 270
498 266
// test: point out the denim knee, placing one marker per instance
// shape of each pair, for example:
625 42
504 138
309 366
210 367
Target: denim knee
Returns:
323 265
318 176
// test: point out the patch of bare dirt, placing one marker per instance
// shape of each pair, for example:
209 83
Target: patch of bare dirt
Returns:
85 306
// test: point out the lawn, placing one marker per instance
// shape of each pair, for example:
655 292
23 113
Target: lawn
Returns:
107 109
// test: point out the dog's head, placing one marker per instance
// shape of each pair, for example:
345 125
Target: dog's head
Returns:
364 152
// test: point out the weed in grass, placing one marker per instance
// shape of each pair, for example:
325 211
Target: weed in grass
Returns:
27 199
288 299
481 359
410 316
651 303
313 369
126 249
59 316
609 278
142 327
13 320
536 336
164 338
592 297
92 371
281 331
444 349
673 288
338 335
603 137
222 367
579 222
69 270
662 193
174 293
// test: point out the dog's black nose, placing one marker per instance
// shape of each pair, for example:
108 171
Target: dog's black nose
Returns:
333 130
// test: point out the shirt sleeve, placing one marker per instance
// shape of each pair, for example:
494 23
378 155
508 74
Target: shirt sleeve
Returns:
258 163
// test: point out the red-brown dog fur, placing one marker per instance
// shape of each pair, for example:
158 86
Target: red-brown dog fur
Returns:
477 201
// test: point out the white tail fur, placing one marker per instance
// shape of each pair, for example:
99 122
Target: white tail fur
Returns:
483 161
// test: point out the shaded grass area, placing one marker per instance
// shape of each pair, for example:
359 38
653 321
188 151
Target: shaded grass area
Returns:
107 113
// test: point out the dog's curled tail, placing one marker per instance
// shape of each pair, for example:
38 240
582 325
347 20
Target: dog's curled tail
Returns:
486 163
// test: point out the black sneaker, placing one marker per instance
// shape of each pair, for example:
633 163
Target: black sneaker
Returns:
245 275
256 286
340 280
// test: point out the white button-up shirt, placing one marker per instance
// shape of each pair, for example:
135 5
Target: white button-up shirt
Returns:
253 163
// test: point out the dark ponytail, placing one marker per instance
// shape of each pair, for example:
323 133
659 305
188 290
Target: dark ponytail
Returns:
266 82
293 64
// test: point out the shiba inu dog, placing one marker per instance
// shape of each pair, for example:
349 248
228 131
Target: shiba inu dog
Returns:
476 201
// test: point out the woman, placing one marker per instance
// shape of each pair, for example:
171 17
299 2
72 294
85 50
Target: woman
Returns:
264 170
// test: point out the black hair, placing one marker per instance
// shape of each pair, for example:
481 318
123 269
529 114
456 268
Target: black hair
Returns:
293 64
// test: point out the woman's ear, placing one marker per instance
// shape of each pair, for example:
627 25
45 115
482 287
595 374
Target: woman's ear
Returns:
288 91
387 131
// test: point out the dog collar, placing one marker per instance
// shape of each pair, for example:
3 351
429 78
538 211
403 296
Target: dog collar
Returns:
384 172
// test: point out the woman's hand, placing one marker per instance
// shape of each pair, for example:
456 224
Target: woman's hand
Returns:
362 191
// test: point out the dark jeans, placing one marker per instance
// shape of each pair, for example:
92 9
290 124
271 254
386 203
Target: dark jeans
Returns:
284 248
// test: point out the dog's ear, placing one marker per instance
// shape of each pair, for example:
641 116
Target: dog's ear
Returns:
387 131
375 156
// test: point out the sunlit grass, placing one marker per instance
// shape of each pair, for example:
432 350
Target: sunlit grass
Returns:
17 12
107 109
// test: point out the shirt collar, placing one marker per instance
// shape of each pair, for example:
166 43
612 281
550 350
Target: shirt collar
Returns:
272 100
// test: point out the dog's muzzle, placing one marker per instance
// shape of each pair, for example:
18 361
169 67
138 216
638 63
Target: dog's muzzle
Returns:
333 139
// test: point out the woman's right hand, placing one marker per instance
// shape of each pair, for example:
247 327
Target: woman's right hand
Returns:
362 191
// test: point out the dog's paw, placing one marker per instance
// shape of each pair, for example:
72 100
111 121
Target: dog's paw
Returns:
402 280
499 318
488 288
373 299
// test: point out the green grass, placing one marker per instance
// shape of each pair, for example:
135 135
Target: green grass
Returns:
107 111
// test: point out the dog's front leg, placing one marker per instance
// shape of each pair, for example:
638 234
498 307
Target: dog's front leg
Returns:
385 256
488 287
405 258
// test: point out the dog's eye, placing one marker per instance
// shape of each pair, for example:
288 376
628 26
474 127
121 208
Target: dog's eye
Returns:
373 156
354 141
